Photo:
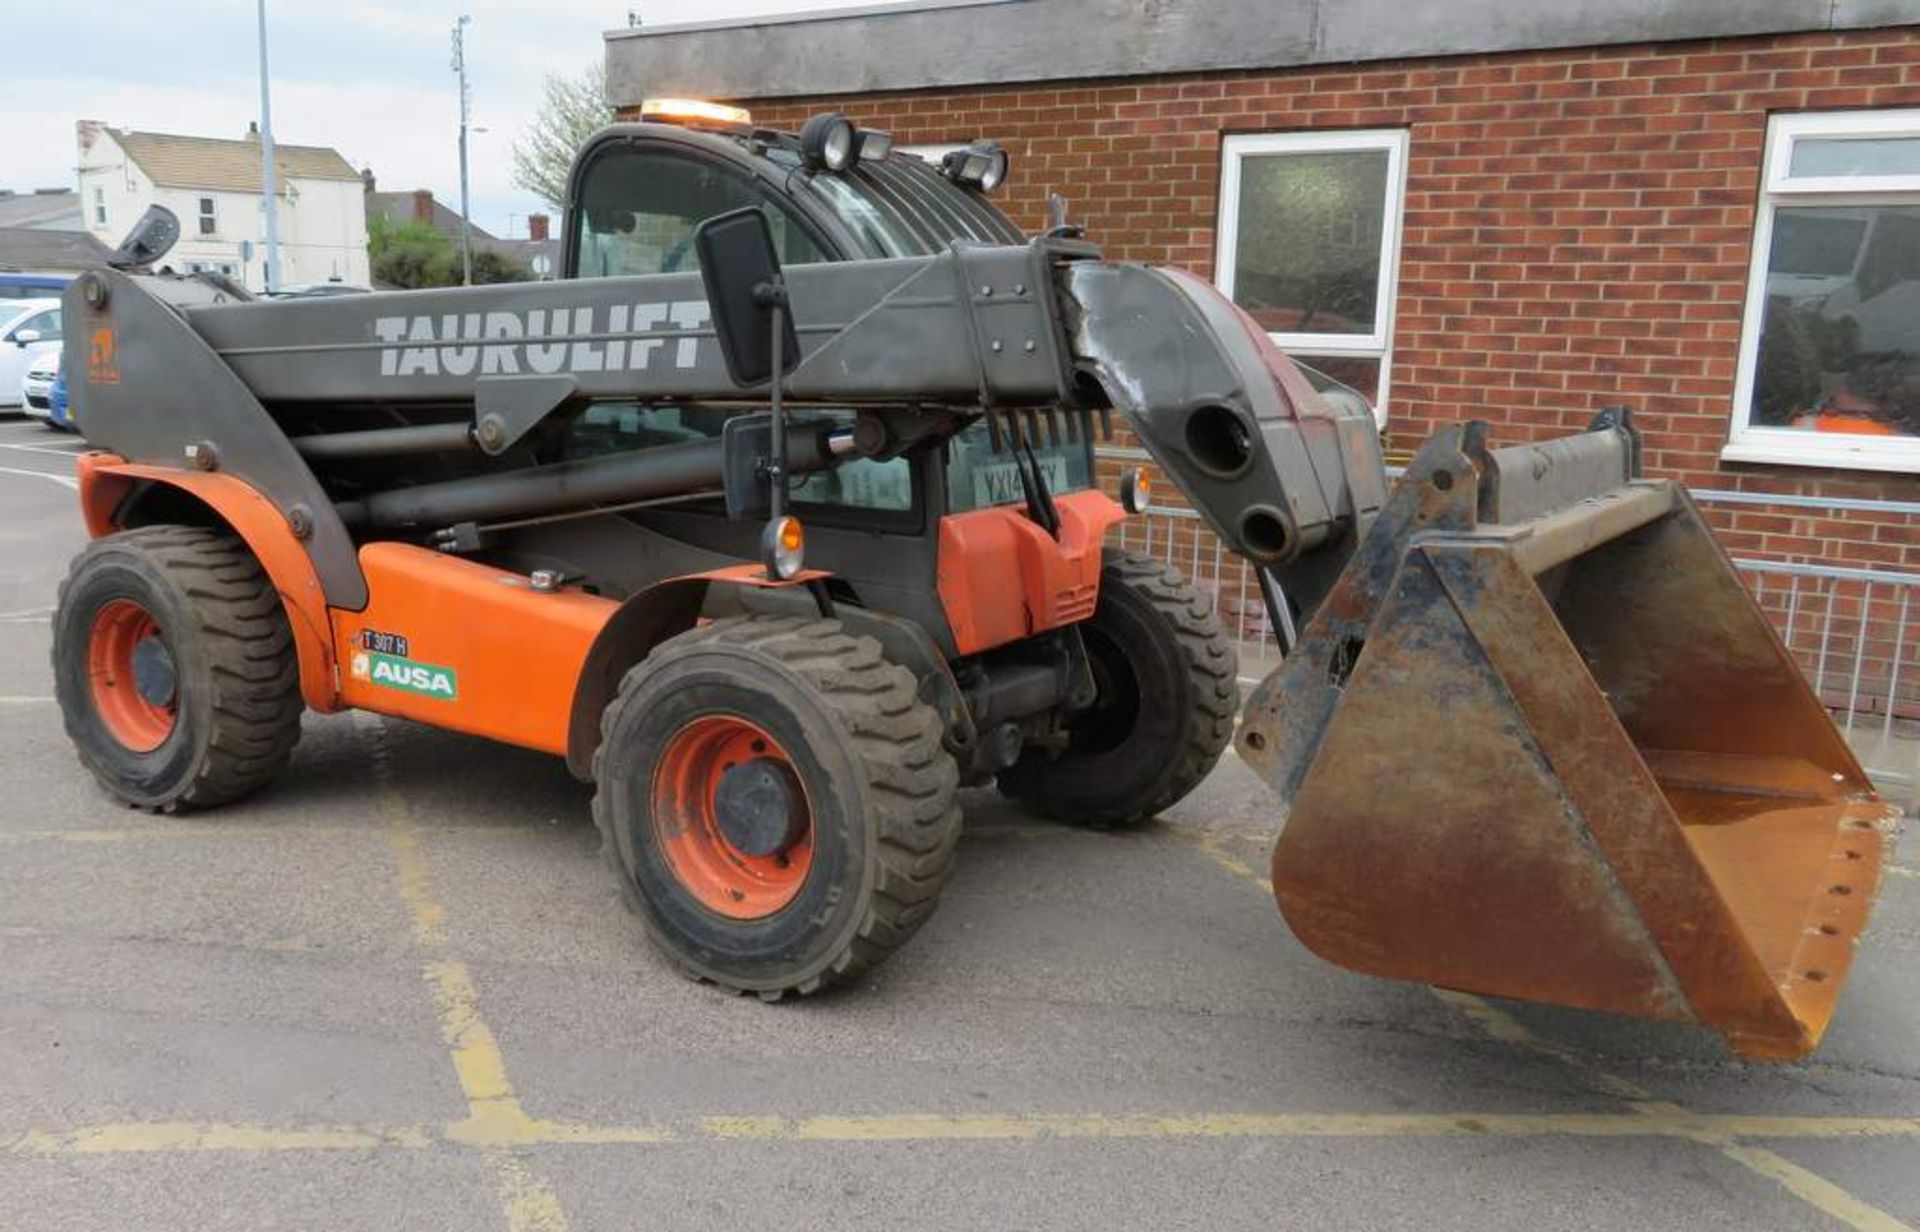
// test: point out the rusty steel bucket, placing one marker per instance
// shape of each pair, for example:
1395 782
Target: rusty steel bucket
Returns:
1539 742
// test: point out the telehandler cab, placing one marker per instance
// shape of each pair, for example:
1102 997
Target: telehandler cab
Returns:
776 517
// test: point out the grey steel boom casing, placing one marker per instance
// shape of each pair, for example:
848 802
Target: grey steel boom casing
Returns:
975 328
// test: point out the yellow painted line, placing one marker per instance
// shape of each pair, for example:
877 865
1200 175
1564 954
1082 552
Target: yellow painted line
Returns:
1718 1132
1816 1191
1813 1189
499 1135
25 699
159 830
429 918
529 1200
162 1137
1212 845
1896 870
495 1120
1650 1120
1500 1025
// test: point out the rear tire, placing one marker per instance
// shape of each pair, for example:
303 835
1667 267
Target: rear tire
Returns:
1168 689
842 864
175 668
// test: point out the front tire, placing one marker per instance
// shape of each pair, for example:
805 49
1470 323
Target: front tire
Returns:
1168 687
174 668
777 801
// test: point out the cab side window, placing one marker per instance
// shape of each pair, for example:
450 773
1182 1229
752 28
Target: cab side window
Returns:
639 208
859 483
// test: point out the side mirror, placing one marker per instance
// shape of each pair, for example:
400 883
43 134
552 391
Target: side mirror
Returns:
152 237
741 271
26 337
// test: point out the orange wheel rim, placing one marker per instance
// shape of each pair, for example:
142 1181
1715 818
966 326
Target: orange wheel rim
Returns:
732 817
132 675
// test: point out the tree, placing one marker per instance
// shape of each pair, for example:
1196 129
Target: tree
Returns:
572 109
412 255
490 267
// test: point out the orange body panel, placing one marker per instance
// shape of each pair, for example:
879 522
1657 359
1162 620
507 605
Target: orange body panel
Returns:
466 646
105 480
1003 578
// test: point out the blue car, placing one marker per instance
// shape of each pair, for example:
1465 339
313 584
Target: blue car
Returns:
43 394
59 413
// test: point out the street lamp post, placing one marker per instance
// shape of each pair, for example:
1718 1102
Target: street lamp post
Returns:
466 209
269 189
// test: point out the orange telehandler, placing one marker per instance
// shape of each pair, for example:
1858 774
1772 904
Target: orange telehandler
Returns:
777 518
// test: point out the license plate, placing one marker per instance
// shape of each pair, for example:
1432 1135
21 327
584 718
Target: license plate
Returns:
999 484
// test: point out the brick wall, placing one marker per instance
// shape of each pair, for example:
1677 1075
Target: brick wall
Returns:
1578 227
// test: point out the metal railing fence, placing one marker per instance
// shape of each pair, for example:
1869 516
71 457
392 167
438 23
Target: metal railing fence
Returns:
1855 632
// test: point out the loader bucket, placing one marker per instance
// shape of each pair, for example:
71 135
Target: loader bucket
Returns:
1539 742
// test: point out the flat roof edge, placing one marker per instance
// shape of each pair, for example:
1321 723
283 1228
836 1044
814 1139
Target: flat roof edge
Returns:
936 44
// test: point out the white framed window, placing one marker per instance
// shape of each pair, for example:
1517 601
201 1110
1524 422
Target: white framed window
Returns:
206 216
99 206
1830 347
1309 244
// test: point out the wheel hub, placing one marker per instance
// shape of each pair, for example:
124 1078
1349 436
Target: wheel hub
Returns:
759 807
134 680
732 818
154 675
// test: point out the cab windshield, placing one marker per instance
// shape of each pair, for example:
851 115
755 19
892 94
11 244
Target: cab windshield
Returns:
901 206
979 478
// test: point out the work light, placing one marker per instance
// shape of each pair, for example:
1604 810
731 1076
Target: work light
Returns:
982 165
826 142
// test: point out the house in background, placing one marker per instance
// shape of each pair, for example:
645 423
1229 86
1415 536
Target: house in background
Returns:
42 209
41 234
539 253
213 185
32 250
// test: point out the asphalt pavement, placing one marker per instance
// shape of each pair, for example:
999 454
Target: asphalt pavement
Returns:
398 990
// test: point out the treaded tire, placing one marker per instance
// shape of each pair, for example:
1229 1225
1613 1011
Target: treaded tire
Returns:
237 707
1169 690
866 751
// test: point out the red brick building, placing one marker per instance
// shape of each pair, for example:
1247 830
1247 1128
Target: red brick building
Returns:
1710 212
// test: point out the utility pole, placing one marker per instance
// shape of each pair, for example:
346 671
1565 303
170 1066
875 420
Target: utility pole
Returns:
466 209
269 189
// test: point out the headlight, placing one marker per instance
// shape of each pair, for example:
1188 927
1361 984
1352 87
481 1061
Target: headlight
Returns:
826 141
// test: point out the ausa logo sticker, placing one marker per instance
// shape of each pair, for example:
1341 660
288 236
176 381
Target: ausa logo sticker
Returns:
393 672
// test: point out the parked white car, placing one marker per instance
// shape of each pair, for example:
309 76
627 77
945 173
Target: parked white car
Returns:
29 329
36 389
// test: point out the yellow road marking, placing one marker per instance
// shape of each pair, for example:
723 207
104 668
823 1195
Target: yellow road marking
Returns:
147 1138
497 1136
1816 1191
1813 1189
530 1202
164 830
1898 871
1498 1024
495 1121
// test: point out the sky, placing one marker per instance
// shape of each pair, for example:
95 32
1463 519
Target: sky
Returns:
371 78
